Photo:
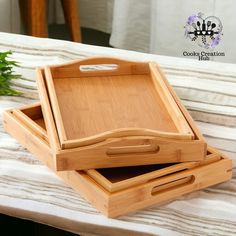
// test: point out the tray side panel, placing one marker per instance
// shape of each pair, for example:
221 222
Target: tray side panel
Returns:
28 138
169 188
117 179
36 123
47 112
168 100
186 114
167 152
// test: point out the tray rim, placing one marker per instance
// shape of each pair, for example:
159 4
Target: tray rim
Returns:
184 129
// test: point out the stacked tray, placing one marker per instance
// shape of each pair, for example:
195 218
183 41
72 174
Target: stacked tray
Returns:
118 135
120 116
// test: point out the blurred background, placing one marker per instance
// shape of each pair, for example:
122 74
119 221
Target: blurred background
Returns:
154 26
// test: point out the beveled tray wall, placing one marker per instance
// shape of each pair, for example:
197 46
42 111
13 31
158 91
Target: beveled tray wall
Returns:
123 191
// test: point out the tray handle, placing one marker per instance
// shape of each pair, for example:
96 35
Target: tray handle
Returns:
99 66
136 150
140 146
159 186
148 148
189 180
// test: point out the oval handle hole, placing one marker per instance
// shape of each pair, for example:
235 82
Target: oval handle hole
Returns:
172 185
137 149
98 67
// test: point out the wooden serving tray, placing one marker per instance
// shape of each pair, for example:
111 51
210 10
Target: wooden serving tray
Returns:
162 134
118 191
130 100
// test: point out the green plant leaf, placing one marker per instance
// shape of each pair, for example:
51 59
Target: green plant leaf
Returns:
7 74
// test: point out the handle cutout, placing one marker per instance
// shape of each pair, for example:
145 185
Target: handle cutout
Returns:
98 67
172 184
138 149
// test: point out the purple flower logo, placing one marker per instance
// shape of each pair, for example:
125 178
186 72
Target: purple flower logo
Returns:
215 41
206 32
192 19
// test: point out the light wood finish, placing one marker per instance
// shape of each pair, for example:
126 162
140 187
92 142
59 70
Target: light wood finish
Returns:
168 100
27 114
122 151
181 107
91 106
141 189
31 139
161 151
34 16
115 179
50 125
145 194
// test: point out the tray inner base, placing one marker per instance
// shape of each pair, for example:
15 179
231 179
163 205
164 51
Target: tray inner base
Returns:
118 174
105 103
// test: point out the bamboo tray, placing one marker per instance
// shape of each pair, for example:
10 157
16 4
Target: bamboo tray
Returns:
118 191
122 117
129 100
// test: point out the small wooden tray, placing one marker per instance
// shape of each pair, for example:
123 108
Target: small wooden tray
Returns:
128 100
175 138
118 191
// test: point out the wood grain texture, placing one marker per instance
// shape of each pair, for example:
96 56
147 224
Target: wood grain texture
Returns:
186 114
127 150
120 178
40 128
101 104
90 106
28 137
49 124
168 100
97 156
171 186
158 185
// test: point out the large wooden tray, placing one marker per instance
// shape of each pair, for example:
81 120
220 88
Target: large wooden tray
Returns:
118 191
122 146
